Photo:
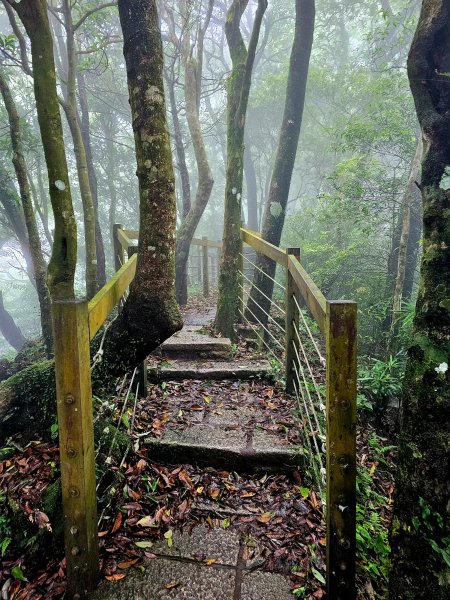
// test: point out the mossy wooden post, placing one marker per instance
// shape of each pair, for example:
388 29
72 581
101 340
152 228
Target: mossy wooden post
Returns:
118 250
205 267
76 442
292 317
341 449
141 375
241 279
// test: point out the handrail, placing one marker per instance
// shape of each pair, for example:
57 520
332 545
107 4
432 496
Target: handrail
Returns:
311 294
105 300
128 235
255 241
123 238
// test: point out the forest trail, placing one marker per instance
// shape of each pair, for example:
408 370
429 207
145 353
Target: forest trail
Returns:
242 532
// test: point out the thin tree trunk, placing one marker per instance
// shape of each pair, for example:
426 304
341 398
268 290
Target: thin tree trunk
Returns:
414 245
258 306
205 180
69 105
421 504
9 329
252 190
404 238
61 270
86 135
111 174
37 258
15 218
238 93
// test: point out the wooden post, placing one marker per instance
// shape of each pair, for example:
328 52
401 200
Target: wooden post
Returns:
341 449
76 443
241 281
118 250
292 318
205 267
141 375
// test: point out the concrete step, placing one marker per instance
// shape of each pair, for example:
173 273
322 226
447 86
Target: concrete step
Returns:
178 370
193 342
203 446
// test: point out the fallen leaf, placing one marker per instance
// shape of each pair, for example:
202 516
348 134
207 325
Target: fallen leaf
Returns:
264 518
127 564
115 577
117 522
172 584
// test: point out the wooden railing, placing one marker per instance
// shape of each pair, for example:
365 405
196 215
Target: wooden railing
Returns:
75 323
337 322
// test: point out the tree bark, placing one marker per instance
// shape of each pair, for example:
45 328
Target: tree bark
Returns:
9 329
402 261
151 313
421 507
205 181
238 93
258 306
86 135
37 258
252 190
61 270
69 105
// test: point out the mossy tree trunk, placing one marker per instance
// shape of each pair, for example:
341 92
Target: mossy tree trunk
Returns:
151 313
275 211
421 508
238 93
61 269
205 181
39 266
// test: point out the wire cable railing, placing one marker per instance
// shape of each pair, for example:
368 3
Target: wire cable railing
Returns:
317 348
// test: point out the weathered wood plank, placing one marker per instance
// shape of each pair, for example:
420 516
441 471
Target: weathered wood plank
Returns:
341 449
292 318
76 442
313 297
255 241
106 299
124 240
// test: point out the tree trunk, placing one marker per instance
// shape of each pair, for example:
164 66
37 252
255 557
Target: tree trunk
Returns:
421 508
238 93
414 244
151 313
9 329
86 135
37 258
61 270
205 181
258 305
252 190
15 217
69 105
404 239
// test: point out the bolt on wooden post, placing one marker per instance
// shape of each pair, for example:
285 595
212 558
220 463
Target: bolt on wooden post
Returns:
292 318
341 449
205 266
76 443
